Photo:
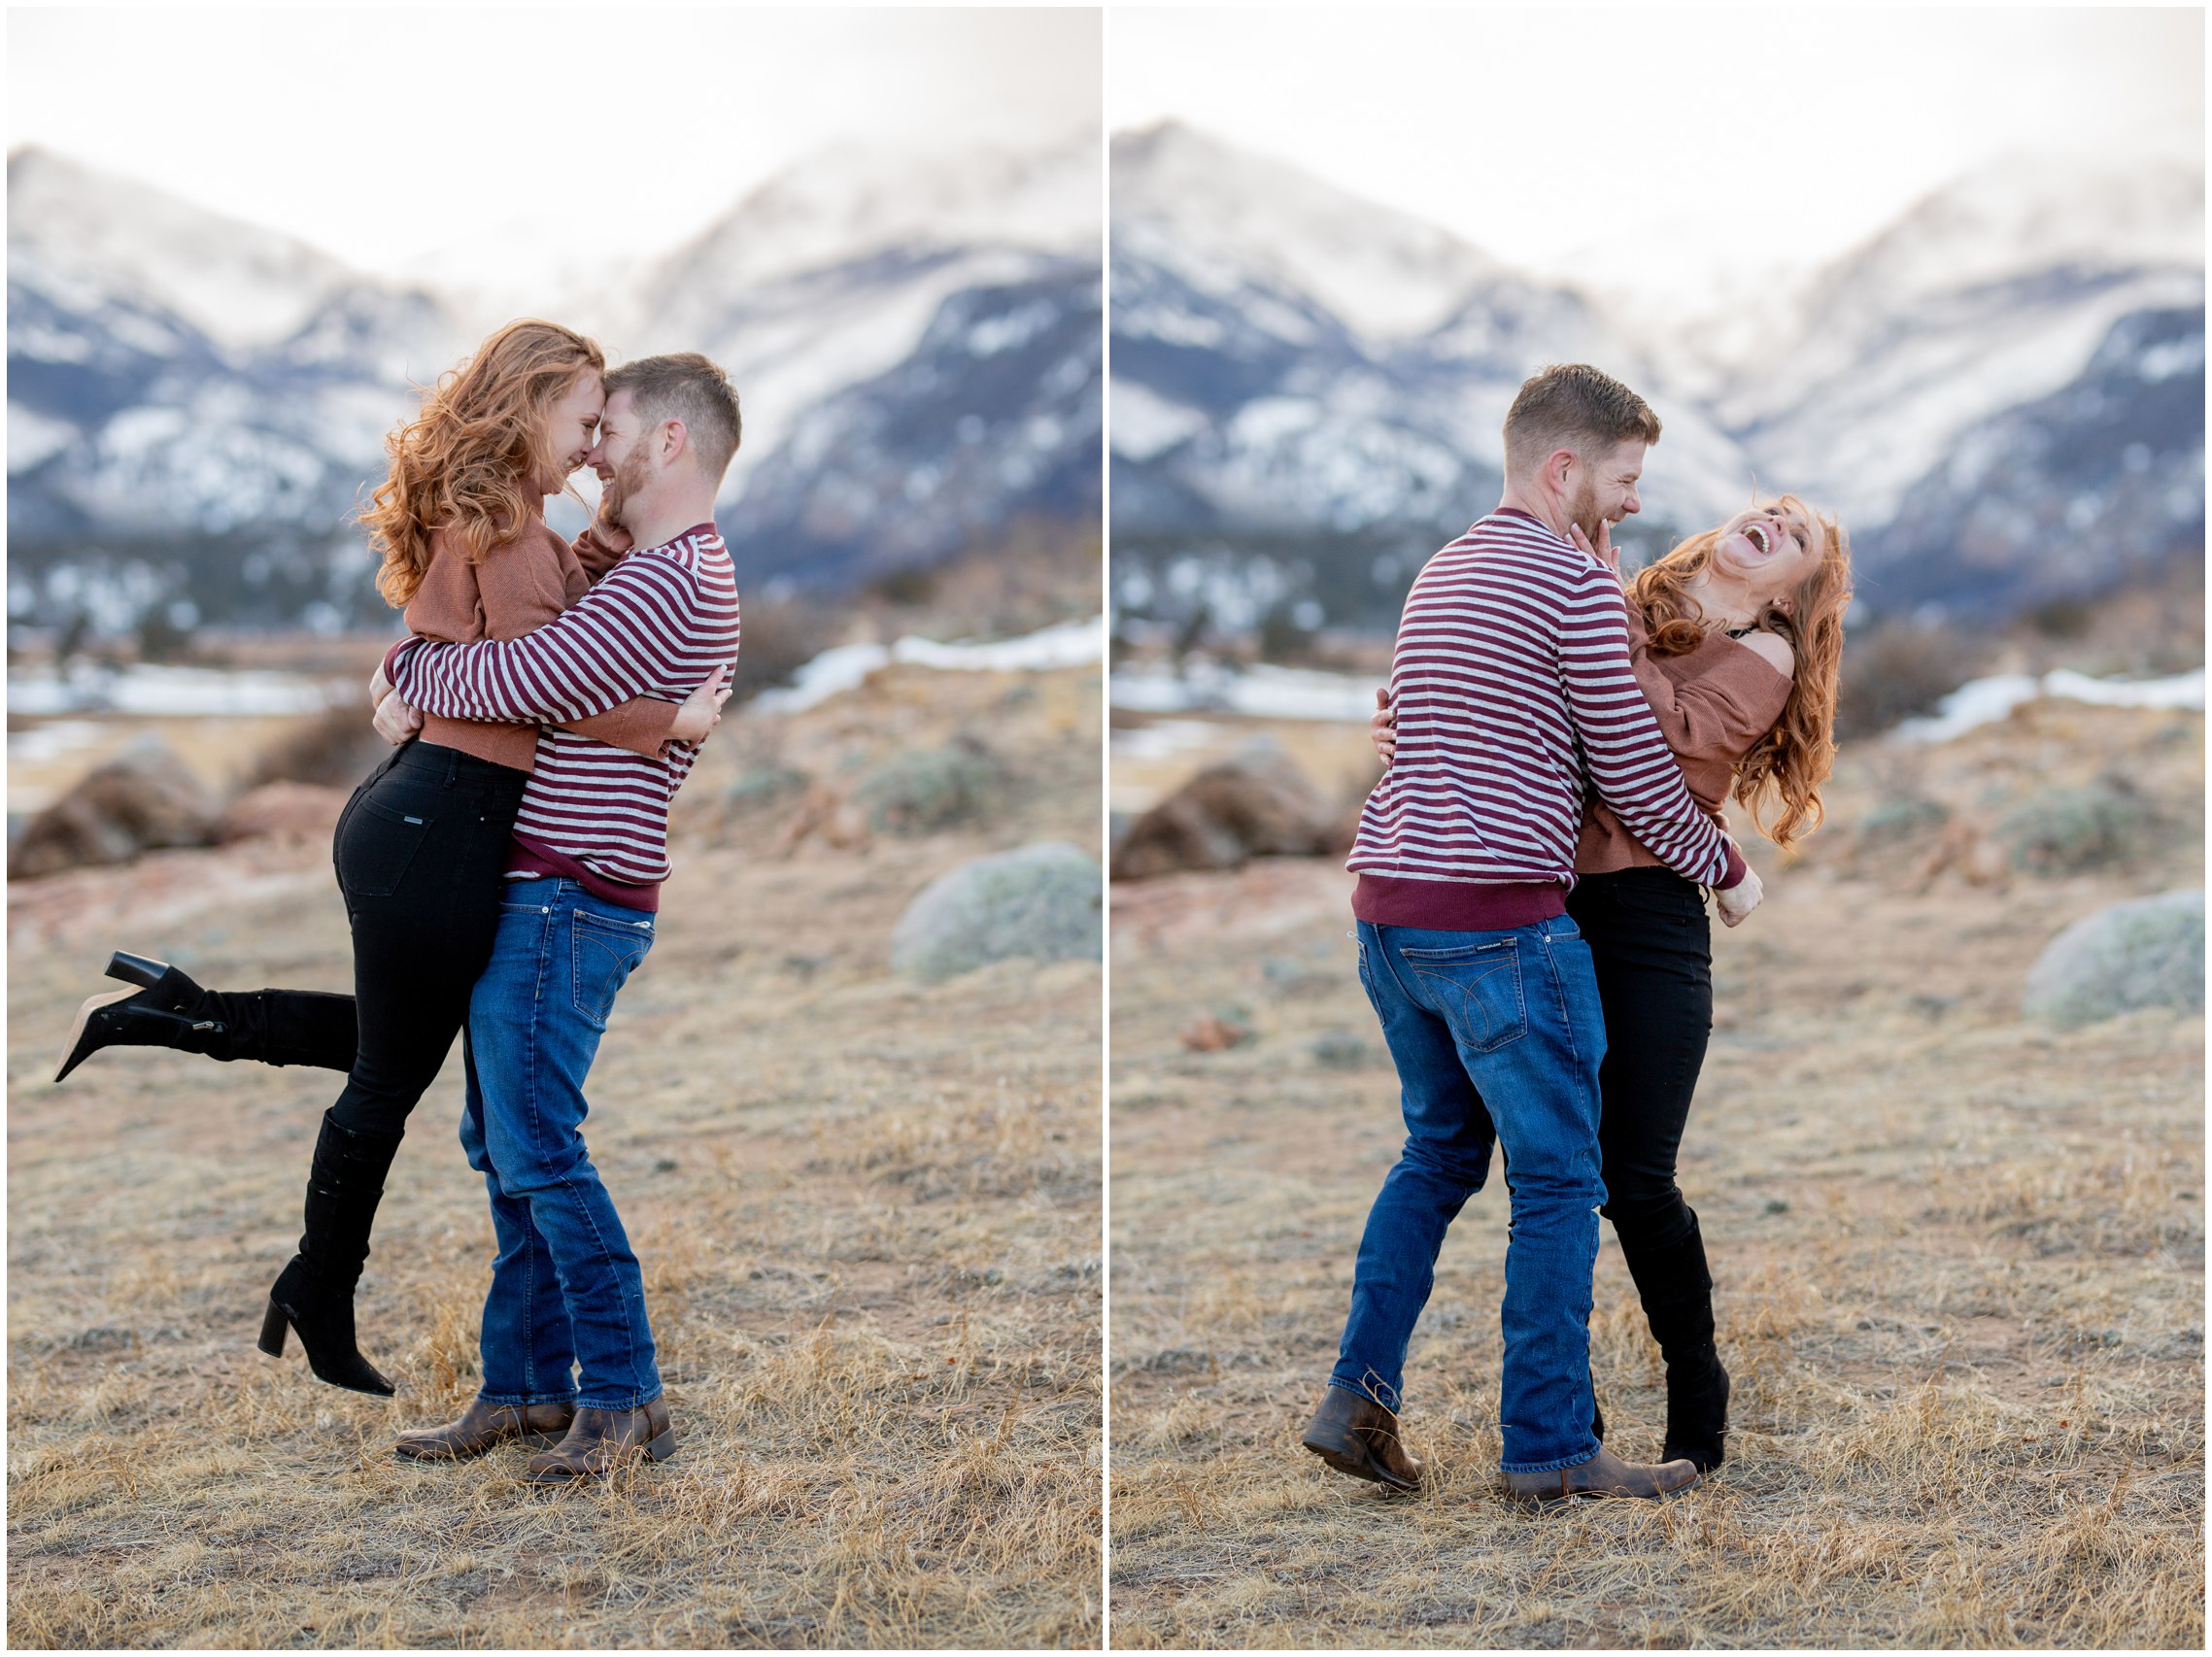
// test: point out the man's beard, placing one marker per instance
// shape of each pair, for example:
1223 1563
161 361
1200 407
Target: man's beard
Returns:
619 491
1583 511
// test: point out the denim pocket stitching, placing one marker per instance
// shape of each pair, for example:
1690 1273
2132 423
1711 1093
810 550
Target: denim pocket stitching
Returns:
1470 1007
1462 952
618 946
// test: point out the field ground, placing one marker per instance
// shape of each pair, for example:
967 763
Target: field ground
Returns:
1960 1261
868 1213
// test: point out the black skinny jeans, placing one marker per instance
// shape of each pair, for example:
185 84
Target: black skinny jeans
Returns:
1653 948
420 848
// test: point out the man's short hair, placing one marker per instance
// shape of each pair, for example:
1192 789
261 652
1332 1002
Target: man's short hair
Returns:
685 386
1573 406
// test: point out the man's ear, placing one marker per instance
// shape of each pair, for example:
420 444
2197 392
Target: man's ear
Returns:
1556 467
675 439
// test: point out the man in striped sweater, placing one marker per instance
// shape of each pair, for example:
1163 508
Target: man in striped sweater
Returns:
1513 692
590 854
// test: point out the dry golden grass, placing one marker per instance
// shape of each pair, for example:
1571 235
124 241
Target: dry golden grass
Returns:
868 1212
1959 1262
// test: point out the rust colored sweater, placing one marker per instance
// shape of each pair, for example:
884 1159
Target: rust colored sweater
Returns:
1712 706
519 586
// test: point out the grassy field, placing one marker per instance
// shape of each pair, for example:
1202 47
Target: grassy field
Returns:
1960 1265
868 1213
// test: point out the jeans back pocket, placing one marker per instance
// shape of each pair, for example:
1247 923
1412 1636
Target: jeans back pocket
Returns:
376 846
604 954
1476 989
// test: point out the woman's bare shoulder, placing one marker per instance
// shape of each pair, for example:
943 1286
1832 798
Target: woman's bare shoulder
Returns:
1772 650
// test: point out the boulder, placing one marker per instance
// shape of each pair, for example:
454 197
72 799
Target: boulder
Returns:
1044 901
2077 831
143 800
2147 953
921 790
299 811
1256 803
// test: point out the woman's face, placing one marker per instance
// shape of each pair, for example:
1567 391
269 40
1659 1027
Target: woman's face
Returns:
1771 549
574 421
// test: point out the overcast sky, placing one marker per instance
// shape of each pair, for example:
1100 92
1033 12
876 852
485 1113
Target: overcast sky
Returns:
380 134
1535 132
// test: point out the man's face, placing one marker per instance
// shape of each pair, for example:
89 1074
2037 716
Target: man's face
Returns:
1602 488
622 458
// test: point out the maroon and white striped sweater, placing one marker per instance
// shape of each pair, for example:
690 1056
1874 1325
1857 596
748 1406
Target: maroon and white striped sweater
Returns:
656 624
1513 694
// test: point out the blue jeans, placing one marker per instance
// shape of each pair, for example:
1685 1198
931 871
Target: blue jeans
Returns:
1497 1037
567 1291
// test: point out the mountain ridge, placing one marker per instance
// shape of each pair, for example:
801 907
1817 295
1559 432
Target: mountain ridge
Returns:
142 420
1256 408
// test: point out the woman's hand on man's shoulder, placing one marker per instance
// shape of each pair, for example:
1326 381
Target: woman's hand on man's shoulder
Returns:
1772 650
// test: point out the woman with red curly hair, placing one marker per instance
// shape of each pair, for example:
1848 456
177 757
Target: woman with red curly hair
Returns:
421 847
1736 636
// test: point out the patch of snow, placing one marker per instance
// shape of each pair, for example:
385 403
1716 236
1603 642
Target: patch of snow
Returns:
845 667
33 437
1146 424
43 743
1164 738
1984 701
150 690
1261 691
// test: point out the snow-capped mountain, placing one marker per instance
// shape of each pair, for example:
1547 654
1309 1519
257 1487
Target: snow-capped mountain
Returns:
88 237
1317 378
863 312
1288 356
180 385
1993 293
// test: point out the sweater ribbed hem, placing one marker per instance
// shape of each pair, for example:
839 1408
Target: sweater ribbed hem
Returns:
533 856
1455 905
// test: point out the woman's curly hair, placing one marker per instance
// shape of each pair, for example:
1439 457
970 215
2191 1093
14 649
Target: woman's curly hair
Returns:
473 460
1784 772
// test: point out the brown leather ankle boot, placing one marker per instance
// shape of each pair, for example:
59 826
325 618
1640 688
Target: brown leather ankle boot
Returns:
600 1439
1603 1475
1356 1435
482 1425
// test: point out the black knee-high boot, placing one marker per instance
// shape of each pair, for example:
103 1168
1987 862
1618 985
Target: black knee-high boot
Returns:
273 1026
314 1295
1675 1288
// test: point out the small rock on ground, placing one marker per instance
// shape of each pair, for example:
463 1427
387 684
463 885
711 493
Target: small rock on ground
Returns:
1042 901
2146 953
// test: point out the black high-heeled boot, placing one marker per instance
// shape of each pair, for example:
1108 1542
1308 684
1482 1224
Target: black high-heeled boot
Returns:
276 1027
1675 1287
314 1295
1697 1405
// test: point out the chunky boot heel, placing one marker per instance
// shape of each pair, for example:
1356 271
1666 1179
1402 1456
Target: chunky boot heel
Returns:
138 970
663 1447
167 1010
273 1329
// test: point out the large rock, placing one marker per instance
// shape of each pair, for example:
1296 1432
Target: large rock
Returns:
2147 953
143 800
1256 803
1042 901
